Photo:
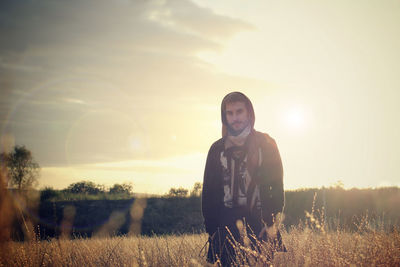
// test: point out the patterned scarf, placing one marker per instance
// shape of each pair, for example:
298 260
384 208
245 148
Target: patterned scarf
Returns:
238 140
240 188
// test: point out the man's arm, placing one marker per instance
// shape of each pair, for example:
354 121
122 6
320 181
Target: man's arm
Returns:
209 201
272 194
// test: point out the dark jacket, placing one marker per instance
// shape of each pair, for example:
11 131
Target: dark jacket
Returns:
269 177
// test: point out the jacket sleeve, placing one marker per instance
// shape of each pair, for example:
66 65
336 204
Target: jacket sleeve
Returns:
209 201
271 190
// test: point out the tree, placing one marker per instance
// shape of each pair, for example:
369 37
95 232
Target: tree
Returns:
196 190
85 187
48 193
23 170
125 188
178 192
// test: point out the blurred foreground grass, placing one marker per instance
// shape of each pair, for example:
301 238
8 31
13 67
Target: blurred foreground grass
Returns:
306 247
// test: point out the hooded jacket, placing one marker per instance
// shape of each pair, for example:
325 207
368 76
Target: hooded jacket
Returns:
267 173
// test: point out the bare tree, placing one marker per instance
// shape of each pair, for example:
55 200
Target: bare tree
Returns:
177 192
196 190
23 170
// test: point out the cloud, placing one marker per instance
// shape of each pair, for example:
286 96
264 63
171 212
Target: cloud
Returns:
102 23
75 101
100 81
188 16
120 40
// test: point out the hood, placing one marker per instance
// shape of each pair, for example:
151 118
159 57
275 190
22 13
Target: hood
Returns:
236 97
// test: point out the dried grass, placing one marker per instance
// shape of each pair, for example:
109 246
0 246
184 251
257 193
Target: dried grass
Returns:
306 247
308 244
116 251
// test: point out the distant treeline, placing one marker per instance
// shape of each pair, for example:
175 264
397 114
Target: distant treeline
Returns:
347 209
87 190
339 208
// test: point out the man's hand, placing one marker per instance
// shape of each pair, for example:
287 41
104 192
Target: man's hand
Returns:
271 231
262 232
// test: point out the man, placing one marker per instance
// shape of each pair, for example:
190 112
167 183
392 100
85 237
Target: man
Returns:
243 184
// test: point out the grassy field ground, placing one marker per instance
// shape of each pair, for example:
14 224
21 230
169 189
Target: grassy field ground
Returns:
308 244
306 247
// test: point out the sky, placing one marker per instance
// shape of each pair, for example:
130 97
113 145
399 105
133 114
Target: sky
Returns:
130 91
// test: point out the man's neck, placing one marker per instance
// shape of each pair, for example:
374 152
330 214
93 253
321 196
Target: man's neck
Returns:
238 140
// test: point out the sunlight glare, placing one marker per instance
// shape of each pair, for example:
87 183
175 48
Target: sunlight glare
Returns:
295 118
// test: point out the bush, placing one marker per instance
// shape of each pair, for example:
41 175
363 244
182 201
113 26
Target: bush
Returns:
48 193
125 188
178 192
85 187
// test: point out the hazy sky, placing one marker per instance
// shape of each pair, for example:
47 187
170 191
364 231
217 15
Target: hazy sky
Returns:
130 91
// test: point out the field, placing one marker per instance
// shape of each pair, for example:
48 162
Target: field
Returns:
307 246
315 241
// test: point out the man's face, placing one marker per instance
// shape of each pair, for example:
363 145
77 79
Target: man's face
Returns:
237 117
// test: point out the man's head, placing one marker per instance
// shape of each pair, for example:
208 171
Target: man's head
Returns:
236 113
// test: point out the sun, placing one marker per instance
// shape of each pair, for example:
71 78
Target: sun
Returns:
295 118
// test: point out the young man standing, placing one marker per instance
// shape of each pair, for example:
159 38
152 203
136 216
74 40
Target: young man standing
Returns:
243 184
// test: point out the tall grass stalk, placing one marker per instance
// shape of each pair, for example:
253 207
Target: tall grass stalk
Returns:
306 247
